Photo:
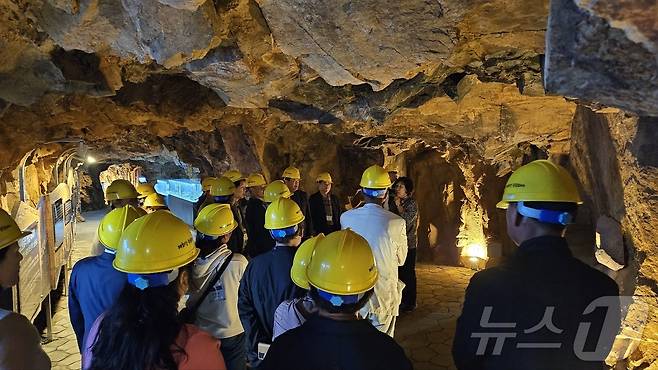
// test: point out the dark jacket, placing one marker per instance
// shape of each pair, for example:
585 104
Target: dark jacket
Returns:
319 215
542 274
94 287
324 344
265 284
301 198
260 240
199 204
236 242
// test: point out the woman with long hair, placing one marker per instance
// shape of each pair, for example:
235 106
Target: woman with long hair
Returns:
405 206
143 331
20 346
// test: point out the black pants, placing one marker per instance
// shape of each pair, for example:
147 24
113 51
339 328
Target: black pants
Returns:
407 274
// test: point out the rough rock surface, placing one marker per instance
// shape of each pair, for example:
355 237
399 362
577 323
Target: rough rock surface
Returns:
620 185
141 29
604 51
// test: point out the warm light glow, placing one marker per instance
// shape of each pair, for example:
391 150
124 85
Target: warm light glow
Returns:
91 159
474 251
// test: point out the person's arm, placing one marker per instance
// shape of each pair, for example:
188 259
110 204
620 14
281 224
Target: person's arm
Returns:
75 311
409 211
20 345
248 317
310 231
337 209
402 248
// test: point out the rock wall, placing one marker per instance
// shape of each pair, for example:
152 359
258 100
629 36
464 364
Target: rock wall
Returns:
616 166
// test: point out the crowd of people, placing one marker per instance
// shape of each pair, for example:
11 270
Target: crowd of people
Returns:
271 278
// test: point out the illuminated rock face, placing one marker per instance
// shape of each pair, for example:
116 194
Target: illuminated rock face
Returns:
451 91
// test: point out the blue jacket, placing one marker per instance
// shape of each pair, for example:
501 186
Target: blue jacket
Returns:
265 284
95 286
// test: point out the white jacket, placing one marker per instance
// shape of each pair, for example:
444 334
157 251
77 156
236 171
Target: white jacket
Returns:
218 314
386 233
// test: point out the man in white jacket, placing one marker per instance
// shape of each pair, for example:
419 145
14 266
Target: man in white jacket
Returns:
386 234
218 313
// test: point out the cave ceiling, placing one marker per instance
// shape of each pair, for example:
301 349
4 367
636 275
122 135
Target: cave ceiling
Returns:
130 77
125 76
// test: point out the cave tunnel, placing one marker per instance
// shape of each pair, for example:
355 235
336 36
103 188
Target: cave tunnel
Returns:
453 95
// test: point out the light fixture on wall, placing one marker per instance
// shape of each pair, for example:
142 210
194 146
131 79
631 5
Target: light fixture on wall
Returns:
90 159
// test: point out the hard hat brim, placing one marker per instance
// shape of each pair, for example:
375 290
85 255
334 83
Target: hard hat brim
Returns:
503 204
14 240
189 259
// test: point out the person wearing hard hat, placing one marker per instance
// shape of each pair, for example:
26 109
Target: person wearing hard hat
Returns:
542 294
262 240
240 194
291 176
225 192
94 284
217 273
120 193
259 240
324 206
294 312
144 190
341 274
20 342
256 185
266 282
142 329
206 184
155 202
387 236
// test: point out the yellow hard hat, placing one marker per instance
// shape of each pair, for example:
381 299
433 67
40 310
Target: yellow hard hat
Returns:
215 220
9 230
375 177
157 242
540 181
113 224
256 179
301 260
291 173
120 189
155 200
324 176
342 264
207 183
283 213
234 175
145 190
222 187
275 190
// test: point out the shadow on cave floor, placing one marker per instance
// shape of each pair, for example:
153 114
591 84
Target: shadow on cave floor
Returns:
426 334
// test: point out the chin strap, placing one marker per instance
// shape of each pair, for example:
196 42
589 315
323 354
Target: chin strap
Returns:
544 215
